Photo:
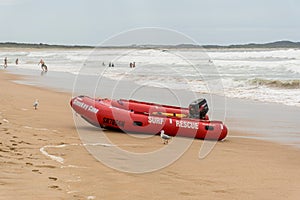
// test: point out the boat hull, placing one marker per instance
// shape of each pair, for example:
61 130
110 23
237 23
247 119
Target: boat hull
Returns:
143 117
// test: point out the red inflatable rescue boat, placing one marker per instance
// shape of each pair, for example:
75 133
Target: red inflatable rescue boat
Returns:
142 117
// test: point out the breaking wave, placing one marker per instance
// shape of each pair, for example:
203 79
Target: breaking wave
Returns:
282 84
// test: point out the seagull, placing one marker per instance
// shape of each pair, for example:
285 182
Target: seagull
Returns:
36 104
165 137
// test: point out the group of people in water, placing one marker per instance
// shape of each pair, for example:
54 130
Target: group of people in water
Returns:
42 63
45 68
111 64
6 62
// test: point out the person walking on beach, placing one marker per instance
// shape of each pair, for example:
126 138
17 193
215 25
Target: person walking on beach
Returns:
43 65
5 62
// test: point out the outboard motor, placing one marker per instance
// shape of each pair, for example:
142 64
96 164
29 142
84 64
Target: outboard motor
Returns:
198 109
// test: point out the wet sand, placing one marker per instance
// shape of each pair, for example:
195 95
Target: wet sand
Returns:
42 157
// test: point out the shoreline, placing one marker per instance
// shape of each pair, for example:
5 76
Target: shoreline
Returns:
237 168
257 119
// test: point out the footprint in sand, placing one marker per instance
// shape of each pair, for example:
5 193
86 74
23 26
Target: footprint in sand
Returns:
30 157
36 171
12 148
2 150
53 178
220 191
54 187
46 166
23 142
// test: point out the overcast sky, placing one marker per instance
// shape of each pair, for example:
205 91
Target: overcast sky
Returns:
92 21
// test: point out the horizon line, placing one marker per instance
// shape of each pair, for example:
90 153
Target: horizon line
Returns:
252 44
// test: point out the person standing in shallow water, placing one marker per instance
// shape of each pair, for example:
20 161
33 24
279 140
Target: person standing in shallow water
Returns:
17 61
43 65
5 62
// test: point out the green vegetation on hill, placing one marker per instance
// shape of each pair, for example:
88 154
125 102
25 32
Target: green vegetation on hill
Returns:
277 44
40 45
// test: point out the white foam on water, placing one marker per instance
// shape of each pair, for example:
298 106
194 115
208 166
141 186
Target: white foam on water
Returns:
234 69
100 144
58 158
74 166
61 160
38 129
72 191
52 157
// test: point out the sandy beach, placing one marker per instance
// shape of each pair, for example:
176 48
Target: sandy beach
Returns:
32 141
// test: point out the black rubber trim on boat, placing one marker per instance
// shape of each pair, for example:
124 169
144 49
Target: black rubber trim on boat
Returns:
209 128
137 123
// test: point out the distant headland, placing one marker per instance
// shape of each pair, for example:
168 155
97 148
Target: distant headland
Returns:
277 44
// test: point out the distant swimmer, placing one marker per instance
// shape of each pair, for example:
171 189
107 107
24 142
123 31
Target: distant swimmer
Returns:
5 62
132 65
43 65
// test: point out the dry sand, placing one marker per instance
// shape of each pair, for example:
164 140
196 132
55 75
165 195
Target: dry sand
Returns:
236 168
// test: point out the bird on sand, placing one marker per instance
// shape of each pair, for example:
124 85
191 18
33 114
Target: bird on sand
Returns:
36 104
165 137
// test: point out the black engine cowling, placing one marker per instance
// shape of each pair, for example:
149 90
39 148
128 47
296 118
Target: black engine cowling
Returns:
198 109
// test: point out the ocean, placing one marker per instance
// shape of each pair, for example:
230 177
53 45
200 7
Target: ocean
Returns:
259 88
266 75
